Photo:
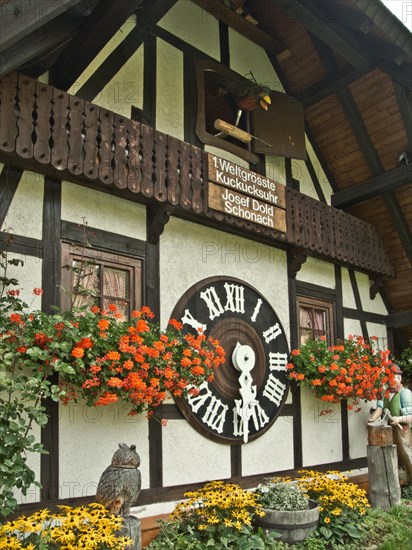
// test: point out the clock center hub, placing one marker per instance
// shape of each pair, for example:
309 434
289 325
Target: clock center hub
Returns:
231 331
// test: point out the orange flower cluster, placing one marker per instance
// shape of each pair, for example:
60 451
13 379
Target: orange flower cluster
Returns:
351 369
137 362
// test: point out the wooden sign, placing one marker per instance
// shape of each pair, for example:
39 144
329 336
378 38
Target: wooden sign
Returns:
240 180
245 207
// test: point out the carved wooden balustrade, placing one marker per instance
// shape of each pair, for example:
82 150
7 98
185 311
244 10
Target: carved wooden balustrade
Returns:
54 133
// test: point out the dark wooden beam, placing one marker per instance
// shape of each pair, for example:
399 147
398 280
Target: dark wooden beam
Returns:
295 389
399 222
9 181
152 299
150 80
38 43
315 291
329 85
338 39
358 302
21 245
176 492
401 319
112 64
224 44
103 240
363 316
315 180
339 330
373 187
20 18
359 129
235 460
51 271
120 55
327 24
239 24
403 94
91 36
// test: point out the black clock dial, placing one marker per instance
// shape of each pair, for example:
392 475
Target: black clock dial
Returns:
238 406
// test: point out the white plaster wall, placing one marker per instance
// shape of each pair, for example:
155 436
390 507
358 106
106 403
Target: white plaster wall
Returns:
376 305
28 276
88 438
321 435
275 169
117 39
245 56
348 298
323 180
226 155
352 327
25 214
169 92
188 457
301 173
33 462
273 451
193 25
317 272
378 331
103 211
125 88
358 433
190 253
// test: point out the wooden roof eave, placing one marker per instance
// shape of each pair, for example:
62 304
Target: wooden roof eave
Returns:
92 146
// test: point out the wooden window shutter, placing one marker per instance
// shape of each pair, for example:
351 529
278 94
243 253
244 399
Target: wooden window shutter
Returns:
282 126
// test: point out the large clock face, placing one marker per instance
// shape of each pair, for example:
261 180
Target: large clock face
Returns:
250 388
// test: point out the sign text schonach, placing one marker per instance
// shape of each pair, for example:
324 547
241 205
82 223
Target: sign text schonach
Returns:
247 208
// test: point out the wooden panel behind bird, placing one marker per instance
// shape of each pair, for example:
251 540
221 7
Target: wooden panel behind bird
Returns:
119 485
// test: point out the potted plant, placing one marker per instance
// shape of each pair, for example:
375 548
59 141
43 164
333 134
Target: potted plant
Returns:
288 510
218 515
350 369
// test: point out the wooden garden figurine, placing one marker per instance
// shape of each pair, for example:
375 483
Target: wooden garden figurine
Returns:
399 407
120 483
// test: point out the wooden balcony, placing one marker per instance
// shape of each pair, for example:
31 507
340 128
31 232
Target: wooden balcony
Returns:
56 134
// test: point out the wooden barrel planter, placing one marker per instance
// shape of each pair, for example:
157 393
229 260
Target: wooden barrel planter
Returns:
293 526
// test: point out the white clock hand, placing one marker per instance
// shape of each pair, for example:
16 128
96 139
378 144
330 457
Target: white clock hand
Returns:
243 358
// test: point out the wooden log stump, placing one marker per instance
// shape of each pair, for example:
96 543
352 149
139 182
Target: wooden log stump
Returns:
384 487
131 529
380 436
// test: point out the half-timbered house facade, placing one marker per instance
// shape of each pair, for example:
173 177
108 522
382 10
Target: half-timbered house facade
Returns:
107 113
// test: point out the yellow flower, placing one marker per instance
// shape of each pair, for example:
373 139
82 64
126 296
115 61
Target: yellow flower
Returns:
326 520
213 519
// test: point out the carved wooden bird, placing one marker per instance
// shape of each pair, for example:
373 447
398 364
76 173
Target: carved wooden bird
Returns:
248 94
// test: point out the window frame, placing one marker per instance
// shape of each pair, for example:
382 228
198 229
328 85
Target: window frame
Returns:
134 265
316 303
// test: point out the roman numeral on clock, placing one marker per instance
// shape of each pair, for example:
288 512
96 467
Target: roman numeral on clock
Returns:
256 310
278 361
213 302
216 410
235 298
259 417
274 389
188 319
272 333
